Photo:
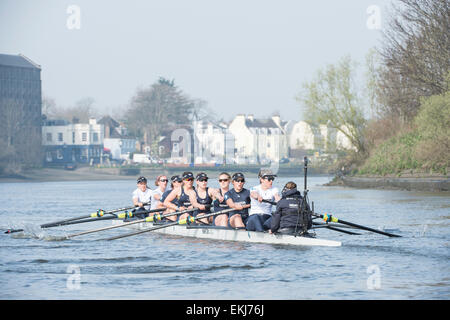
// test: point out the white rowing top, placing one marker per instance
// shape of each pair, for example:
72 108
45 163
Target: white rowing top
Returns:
143 196
262 207
154 201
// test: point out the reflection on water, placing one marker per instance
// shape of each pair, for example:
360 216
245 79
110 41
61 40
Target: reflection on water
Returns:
154 266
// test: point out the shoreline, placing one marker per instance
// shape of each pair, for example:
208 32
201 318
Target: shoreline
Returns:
98 174
430 183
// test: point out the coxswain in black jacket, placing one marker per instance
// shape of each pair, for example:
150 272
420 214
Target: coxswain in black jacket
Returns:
288 217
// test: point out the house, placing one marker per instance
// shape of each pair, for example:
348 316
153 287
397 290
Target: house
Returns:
258 141
302 136
116 139
66 142
213 143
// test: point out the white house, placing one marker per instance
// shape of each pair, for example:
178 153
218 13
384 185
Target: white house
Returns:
258 141
213 143
116 139
303 136
66 142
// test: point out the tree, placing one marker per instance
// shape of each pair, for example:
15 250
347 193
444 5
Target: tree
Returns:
416 55
20 136
332 98
81 112
155 108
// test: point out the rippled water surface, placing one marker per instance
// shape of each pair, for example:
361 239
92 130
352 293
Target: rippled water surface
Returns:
149 266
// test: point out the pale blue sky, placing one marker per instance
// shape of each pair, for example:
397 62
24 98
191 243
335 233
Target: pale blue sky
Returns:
240 56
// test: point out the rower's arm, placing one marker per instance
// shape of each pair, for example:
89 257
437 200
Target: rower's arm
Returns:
168 202
193 200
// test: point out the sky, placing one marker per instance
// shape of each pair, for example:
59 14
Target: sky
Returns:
244 56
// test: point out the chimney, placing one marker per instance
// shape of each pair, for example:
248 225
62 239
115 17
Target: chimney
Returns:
276 119
250 117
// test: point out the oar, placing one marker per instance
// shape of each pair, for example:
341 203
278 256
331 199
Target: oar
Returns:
330 218
99 215
321 225
187 220
147 219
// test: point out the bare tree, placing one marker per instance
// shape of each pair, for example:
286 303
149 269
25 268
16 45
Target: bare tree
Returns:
416 55
152 109
332 98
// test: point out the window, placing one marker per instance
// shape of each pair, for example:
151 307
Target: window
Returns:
84 136
60 137
49 137
95 136
59 154
73 137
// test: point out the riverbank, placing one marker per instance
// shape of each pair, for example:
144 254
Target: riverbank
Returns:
131 173
432 183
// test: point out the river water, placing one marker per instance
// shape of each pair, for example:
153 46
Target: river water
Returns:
149 266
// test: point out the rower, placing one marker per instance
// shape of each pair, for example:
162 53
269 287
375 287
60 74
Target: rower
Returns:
261 212
176 183
238 198
161 183
140 196
289 218
203 197
182 195
220 204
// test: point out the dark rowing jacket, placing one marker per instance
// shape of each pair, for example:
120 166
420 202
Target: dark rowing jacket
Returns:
286 214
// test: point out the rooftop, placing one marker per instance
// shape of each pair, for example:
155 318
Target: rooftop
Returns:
17 61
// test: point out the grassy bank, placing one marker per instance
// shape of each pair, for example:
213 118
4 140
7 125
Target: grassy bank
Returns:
422 148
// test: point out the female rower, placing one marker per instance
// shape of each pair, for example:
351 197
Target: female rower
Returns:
182 195
161 183
203 197
142 195
176 183
238 198
220 204
261 212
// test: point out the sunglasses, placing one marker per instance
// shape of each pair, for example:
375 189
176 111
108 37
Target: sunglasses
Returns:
163 180
189 179
203 180
269 178
240 180
223 180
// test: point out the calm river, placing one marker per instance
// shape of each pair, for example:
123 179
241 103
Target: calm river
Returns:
151 266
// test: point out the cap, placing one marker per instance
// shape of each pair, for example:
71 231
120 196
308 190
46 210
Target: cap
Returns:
201 175
141 179
176 178
238 175
266 172
188 175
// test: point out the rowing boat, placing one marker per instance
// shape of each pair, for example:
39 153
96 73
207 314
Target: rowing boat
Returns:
230 234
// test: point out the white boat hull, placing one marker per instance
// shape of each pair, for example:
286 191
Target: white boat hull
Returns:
233 235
